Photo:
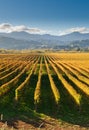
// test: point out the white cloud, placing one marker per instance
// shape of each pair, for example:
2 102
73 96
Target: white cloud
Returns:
76 29
6 27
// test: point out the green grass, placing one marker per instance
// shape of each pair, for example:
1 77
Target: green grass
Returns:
24 109
44 71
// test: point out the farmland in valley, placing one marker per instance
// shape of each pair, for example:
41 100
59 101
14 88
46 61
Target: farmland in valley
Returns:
36 86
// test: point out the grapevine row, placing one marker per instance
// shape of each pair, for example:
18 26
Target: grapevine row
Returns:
78 83
25 83
38 86
76 96
53 86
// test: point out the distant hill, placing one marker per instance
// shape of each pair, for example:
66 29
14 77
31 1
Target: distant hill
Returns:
12 43
27 36
24 40
75 36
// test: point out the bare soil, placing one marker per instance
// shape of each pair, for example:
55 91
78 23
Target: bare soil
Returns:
45 124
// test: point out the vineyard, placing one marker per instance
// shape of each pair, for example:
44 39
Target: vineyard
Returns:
56 85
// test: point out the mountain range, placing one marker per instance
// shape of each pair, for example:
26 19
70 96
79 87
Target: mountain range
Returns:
24 40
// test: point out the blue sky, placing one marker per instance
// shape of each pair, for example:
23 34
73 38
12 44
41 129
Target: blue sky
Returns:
53 16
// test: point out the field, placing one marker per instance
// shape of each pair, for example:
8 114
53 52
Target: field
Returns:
44 91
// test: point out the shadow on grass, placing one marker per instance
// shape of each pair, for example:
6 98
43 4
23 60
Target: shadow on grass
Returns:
12 116
67 110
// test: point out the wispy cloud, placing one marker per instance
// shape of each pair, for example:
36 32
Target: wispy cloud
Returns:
6 27
76 29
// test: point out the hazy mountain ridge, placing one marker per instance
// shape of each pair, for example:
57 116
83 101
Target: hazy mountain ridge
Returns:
24 40
27 36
